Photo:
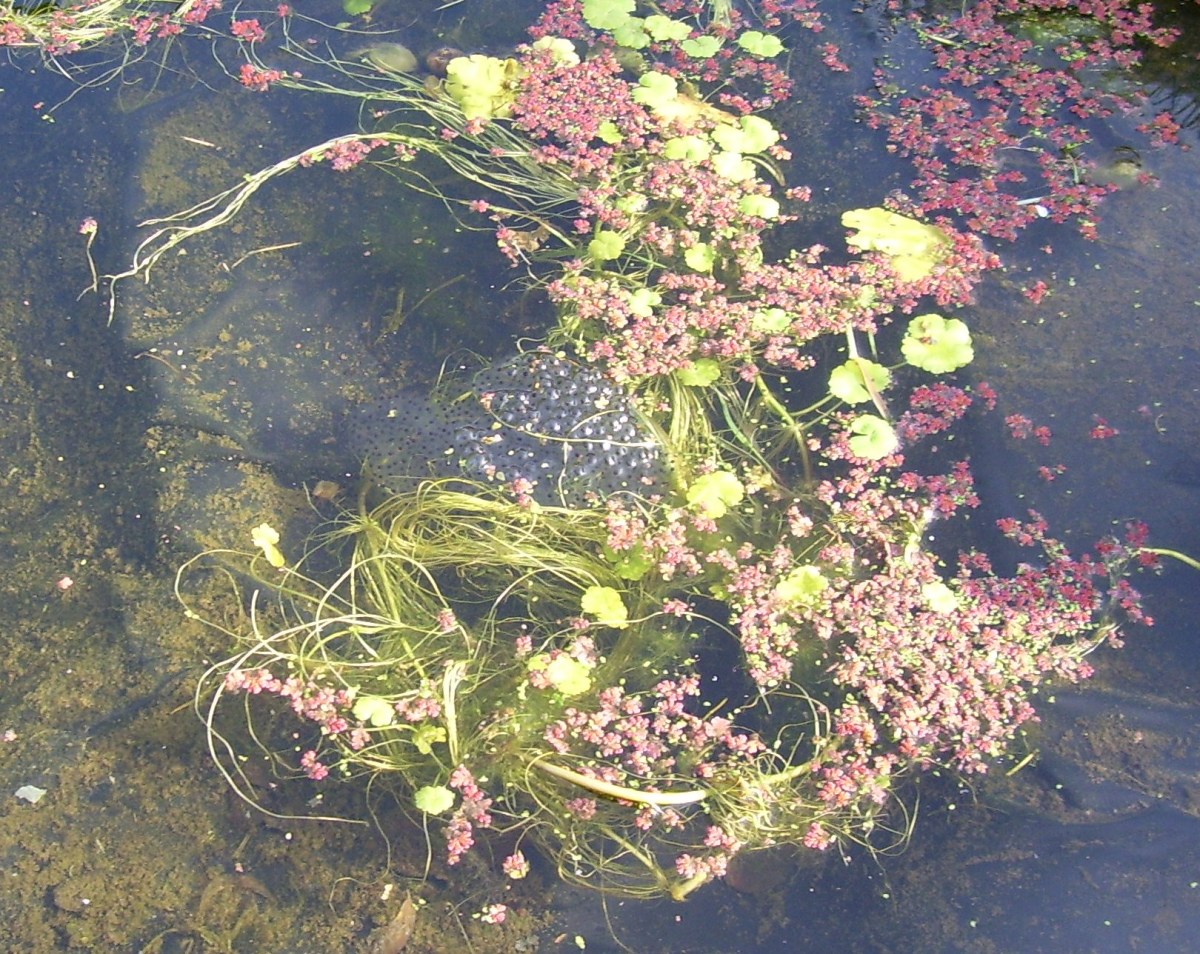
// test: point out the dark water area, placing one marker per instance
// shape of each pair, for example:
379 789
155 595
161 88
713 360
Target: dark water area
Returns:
219 394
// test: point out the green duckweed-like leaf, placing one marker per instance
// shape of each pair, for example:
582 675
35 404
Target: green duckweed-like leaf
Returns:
802 585
604 605
936 344
847 382
607 14
606 246
760 44
751 134
702 373
713 494
357 7
914 247
701 48
700 257
873 437
433 799
374 711
664 28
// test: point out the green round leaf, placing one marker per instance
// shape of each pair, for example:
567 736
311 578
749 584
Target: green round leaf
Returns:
700 257
688 148
606 246
846 381
568 675
760 44
703 372
732 166
655 90
752 134
936 344
629 34
605 606
609 132
374 711
433 799
771 321
873 437
914 247
713 494
426 736
802 585
607 14
702 47
940 597
664 28
762 206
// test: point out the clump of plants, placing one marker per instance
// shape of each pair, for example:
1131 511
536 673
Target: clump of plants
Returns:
646 686
539 670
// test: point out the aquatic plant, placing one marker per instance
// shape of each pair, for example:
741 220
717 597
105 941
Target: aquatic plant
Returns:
515 665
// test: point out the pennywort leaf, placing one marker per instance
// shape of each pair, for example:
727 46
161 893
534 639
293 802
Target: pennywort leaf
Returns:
607 14
606 246
713 494
872 437
663 28
848 382
701 48
433 799
605 606
936 344
760 44
703 372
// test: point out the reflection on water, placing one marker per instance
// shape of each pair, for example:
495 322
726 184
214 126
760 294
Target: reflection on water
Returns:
222 386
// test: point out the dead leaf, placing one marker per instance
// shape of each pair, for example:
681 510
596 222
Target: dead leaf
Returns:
393 937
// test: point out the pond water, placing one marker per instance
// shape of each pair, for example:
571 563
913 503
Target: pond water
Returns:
216 396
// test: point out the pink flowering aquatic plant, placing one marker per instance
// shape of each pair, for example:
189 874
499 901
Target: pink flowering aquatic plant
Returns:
1002 136
537 670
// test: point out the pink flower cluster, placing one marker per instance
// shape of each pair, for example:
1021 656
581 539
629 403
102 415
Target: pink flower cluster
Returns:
473 810
328 708
639 736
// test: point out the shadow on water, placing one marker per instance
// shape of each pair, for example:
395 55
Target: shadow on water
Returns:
224 385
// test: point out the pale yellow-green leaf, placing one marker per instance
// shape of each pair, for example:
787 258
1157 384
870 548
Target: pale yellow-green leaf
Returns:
433 799
940 597
568 675
604 605
703 372
266 538
426 736
374 711
872 437
802 585
847 381
936 344
713 494
914 247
